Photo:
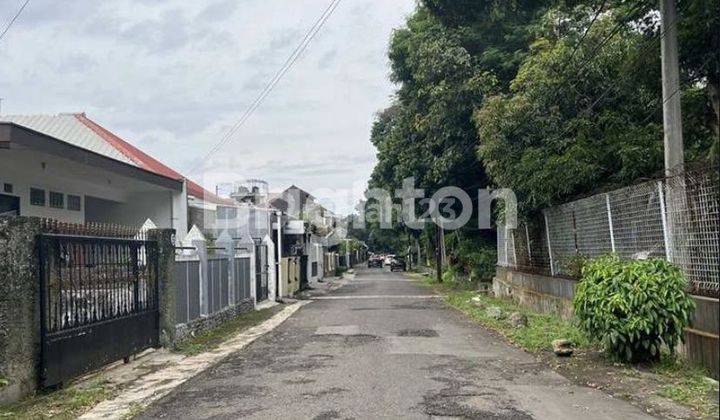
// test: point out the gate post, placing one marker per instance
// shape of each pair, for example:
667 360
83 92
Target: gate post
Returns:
19 307
165 254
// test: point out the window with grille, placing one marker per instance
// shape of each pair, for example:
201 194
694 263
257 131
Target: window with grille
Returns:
74 202
57 200
37 197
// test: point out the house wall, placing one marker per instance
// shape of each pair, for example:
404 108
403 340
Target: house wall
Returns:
105 196
180 211
156 206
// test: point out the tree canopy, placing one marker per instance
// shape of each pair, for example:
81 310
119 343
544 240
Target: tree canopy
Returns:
551 98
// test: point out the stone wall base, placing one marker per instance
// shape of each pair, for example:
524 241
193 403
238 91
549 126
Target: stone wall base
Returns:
205 323
553 295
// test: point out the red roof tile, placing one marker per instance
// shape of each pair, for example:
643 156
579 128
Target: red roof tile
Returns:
149 163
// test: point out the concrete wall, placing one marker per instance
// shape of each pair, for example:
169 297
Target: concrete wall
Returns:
19 308
554 295
290 267
544 294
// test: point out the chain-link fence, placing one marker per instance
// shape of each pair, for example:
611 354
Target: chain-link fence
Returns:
677 218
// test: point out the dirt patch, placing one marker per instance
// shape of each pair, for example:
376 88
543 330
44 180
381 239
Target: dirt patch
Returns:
422 305
450 408
328 415
636 385
324 392
417 333
347 340
301 381
462 394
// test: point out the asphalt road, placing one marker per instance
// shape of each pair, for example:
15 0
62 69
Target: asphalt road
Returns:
382 347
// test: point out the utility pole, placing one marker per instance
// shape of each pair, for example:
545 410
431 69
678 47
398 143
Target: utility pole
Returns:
438 253
672 122
672 117
278 263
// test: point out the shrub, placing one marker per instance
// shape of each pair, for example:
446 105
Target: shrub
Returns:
633 307
477 258
450 274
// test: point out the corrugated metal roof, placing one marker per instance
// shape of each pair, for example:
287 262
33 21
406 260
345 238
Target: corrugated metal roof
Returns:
79 130
68 128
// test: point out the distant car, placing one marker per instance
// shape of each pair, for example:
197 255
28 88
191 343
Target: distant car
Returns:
397 263
375 262
388 259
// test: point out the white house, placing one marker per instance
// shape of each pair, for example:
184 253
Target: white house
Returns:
69 168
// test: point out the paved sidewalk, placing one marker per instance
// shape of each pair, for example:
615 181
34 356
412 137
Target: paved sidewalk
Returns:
156 373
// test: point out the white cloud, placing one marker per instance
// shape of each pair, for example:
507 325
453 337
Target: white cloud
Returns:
172 76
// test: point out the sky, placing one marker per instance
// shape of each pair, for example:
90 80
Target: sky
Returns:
172 77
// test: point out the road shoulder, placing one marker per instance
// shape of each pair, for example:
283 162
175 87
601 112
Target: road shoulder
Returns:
649 388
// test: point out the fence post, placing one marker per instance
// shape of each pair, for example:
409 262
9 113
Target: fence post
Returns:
527 242
226 242
201 247
19 307
166 279
610 223
512 232
547 234
270 265
253 270
663 216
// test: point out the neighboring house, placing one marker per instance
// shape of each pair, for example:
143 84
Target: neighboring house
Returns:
309 229
68 167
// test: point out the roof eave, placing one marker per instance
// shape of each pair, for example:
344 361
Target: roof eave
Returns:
11 133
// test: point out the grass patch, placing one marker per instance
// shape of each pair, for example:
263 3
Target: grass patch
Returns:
538 335
211 339
678 380
66 403
688 385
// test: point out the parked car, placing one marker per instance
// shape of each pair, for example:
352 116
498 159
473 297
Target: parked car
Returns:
375 262
388 259
397 263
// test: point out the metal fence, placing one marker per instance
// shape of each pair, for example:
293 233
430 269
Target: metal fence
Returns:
207 284
677 218
98 301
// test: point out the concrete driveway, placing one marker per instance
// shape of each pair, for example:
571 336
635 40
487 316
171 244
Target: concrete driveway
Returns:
383 347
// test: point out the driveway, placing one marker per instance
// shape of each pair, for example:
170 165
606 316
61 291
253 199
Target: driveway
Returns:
383 347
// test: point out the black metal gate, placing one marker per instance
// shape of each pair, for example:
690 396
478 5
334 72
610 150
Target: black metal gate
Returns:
261 272
99 302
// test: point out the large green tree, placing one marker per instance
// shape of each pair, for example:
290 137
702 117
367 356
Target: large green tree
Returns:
586 115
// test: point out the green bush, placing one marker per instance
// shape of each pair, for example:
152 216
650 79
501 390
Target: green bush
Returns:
633 307
450 274
477 258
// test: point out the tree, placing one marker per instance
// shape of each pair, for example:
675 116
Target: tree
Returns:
555 136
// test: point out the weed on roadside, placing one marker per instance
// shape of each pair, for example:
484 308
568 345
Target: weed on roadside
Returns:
211 339
688 385
66 403
674 379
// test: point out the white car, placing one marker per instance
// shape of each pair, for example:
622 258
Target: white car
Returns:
388 259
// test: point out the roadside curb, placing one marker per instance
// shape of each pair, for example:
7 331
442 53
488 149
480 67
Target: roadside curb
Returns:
146 390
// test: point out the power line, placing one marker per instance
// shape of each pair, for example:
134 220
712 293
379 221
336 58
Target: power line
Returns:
289 62
593 54
7 28
584 35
